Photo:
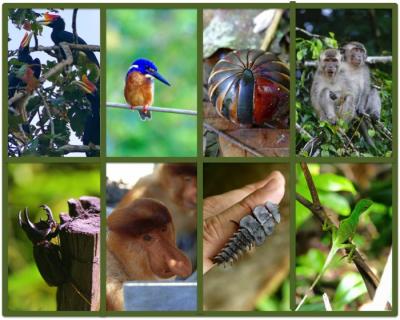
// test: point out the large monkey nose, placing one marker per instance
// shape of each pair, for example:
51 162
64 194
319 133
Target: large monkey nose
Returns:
182 267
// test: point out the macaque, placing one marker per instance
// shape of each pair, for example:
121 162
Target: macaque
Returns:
141 246
331 92
367 99
175 185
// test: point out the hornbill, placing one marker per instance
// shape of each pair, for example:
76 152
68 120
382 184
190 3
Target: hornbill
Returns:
91 133
59 34
26 77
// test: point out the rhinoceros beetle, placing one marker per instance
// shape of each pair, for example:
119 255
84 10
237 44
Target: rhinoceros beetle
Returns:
47 255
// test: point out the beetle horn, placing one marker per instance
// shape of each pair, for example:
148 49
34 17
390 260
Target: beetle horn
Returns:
49 213
26 223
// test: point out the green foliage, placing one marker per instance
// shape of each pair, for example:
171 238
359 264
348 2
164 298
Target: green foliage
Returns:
332 138
279 301
168 38
30 185
338 194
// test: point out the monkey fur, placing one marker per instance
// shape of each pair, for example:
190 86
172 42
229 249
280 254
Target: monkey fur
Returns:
141 246
331 91
367 99
175 185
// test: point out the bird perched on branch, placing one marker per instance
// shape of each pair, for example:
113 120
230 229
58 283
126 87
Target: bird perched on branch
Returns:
91 133
26 77
59 34
139 85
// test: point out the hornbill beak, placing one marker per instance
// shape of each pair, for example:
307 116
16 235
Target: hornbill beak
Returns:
26 40
158 76
86 85
48 18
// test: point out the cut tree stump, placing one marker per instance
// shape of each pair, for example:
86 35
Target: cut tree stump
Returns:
80 252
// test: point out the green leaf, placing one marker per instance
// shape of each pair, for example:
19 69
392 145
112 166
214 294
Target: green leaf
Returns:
335 202
334 183
349 289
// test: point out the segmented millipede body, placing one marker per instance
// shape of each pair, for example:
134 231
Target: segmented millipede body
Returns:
253 230
250 87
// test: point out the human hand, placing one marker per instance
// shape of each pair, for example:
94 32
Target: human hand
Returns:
219 212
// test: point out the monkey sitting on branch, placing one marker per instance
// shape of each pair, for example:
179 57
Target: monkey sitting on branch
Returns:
356 70
141 246
331 92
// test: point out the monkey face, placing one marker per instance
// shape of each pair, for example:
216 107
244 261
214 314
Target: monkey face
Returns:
357 56
330 61
142 238
355 53
330 66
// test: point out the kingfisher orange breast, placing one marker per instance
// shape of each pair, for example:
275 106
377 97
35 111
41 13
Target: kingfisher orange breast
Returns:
139 89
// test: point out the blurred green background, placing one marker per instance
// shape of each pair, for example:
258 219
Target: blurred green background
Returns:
30 185
169 39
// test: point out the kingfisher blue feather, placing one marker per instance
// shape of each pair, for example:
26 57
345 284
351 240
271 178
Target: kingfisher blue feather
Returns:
139 85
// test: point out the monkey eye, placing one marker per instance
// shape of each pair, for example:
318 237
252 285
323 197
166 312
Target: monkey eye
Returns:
164 228
187 178
147 237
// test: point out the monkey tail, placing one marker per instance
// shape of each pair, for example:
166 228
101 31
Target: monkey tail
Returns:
367 138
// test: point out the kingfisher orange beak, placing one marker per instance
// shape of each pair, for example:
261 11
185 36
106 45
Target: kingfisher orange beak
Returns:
48 18
26 40
86 85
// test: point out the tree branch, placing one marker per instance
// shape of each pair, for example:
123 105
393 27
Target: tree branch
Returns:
370 279
271 30
232 140
75 12
70 148
57 68
370 60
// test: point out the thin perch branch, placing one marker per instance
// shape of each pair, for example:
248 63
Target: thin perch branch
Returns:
152 108
271 30
233 140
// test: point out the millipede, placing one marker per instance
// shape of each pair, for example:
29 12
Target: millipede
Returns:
253 230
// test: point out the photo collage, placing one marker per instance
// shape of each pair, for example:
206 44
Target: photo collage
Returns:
200 159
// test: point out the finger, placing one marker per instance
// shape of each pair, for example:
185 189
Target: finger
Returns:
216 204
219 228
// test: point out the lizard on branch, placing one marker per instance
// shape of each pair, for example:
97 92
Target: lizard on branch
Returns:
341 239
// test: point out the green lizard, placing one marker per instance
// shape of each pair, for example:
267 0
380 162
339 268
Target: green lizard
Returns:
342 234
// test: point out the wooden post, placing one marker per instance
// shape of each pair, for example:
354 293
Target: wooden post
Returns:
80 252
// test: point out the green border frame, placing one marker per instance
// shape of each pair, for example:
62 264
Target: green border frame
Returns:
293 159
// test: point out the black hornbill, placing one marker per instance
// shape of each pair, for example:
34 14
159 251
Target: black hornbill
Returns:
59 34
91 133
26 77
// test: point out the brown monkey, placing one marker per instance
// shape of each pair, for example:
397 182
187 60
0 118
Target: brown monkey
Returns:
331 94
366 98
175 185
141 246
